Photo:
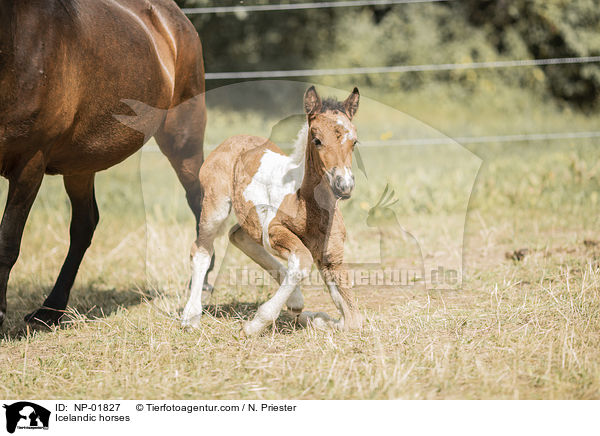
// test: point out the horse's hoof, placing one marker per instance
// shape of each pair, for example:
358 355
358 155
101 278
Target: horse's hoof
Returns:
318 320
354 323
192 324
295 312
250 329
44 316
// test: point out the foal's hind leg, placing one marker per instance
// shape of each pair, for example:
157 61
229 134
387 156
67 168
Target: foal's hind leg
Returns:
258 254
84 218
214 213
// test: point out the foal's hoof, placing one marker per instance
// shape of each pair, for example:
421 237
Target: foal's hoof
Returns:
295 312
250 329
44 316
354 323
318 320
192 323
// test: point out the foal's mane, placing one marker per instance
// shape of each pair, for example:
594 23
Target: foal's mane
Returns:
332 104
329 104
300 143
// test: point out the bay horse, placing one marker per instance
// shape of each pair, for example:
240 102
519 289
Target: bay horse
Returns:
66 69
286 206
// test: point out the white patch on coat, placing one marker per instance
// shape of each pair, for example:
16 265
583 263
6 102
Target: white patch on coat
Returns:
277 176
349 129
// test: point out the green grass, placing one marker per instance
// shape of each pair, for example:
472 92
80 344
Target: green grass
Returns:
514 329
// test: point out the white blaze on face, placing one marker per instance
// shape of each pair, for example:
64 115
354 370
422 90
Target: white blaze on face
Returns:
277 176
349 135
347 176
349 129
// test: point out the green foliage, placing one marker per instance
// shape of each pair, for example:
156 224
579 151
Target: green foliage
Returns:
459 32
263 40
549 29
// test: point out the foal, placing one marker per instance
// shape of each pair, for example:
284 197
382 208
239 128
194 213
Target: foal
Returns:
285 206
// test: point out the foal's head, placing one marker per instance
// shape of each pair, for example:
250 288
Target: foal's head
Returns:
331 139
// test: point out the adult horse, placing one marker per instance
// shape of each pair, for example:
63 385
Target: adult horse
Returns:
66 66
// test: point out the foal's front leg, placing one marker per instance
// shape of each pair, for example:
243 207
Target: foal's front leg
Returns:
256 252
289 247
336 278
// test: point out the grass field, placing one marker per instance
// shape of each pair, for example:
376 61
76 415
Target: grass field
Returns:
527 328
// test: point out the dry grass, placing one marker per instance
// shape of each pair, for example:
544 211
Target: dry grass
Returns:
515 329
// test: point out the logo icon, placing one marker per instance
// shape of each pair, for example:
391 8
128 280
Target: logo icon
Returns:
26 415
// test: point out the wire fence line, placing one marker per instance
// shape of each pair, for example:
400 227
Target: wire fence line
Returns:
300 6
394 69
523 137
520 137
398 68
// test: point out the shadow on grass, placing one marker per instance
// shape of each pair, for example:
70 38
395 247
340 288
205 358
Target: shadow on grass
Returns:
86 303
244 311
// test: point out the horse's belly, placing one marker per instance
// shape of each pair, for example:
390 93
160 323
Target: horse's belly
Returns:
95 151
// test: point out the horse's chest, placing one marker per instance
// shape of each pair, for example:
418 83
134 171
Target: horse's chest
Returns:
277 176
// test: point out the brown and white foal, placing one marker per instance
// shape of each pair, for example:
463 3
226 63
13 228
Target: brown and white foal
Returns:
286 206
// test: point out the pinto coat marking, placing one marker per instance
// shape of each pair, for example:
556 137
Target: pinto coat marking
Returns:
285 206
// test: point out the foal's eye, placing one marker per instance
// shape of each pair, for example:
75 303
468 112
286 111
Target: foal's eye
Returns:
317 142
354 144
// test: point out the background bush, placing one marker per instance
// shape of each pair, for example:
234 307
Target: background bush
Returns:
412 34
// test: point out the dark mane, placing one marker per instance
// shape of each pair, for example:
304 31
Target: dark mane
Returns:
332 104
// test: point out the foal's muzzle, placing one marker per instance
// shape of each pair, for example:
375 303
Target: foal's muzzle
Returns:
342 182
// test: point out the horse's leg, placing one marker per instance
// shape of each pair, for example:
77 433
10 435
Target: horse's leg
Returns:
23 188
181 139
336 278
289 247
258 254
84 218
215 211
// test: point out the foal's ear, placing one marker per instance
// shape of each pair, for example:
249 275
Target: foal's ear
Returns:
351 103
312 101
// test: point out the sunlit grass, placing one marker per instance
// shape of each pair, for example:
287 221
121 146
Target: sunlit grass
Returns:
514 329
